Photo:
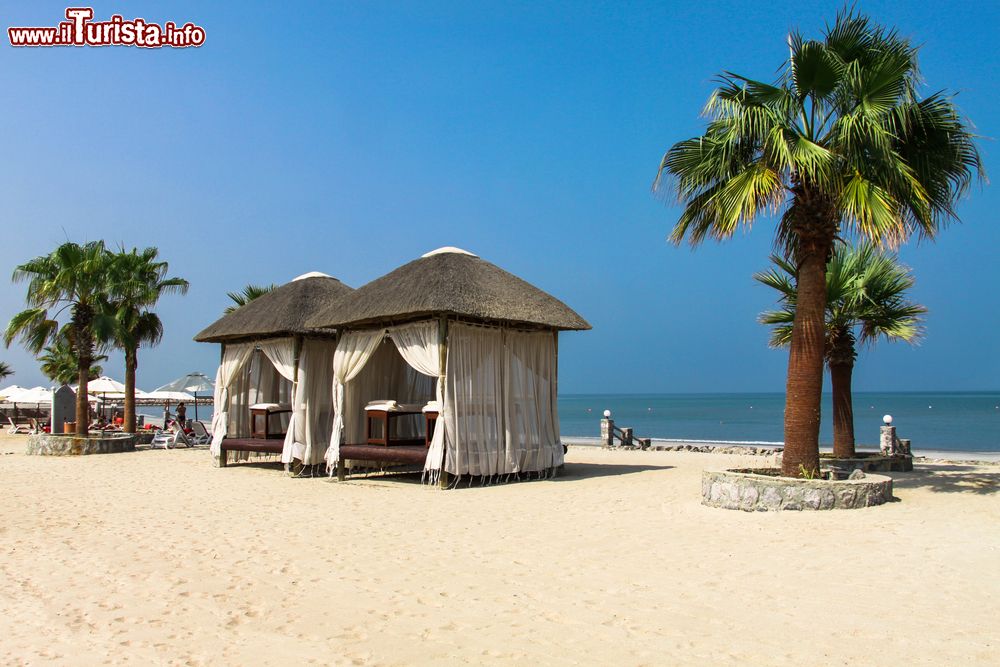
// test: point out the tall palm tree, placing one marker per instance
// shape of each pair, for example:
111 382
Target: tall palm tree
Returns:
840 140
71 278
248 294
58 362
5 370
866 300
138 280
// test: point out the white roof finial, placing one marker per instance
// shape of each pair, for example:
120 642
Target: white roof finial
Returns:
447 249
311 274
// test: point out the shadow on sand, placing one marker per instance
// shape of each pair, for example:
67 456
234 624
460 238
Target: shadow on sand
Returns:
576 471
572 472
949 478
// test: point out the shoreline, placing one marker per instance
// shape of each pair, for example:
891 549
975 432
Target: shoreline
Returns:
943 455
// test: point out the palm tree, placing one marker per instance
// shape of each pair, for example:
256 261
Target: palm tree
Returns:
865 301
59 362
5 370
73 277
841 139
249 293
138 280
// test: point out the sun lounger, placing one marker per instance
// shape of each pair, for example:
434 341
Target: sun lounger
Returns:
201 436
171 438
15 429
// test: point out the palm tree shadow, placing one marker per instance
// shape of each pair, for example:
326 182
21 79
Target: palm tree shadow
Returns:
572 472
949 478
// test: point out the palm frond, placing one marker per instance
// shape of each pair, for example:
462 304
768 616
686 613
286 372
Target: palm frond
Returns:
251 292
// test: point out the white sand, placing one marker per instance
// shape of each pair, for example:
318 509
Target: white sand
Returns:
156 557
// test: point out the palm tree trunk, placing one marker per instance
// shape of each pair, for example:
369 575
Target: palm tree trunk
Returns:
84 357
131 362
843 410
804 387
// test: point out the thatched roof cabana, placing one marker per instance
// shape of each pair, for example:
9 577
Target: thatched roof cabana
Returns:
486 345
449 282
270 355
283 311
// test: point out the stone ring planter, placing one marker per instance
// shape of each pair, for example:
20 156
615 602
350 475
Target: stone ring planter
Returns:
755 492
57 444
869 463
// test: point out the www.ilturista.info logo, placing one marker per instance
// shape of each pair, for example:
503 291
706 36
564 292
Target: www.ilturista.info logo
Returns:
80 30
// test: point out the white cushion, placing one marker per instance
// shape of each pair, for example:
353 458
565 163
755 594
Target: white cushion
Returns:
270 407
384 404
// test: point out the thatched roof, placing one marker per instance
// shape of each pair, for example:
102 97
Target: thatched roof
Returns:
281 312
449 281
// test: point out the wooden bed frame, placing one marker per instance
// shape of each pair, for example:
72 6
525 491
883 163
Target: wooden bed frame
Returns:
401 454
248 445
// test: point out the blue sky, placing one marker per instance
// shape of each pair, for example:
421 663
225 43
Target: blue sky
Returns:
350 138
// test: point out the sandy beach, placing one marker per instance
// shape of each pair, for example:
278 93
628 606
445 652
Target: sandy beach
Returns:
155 557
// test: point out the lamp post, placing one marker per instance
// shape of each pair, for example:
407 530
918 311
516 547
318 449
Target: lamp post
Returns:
607 431
887 437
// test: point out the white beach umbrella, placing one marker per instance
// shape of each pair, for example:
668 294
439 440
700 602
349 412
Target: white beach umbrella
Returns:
6 392
193 383
105 385
162 397
34 395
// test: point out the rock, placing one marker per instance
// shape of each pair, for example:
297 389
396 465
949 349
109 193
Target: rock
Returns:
771 498
811 499
858 473
847 497
748 498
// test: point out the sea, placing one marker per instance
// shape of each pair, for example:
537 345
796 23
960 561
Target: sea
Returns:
946 422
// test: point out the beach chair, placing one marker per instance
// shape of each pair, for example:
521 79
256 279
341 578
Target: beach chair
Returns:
201 436
15 429
171 438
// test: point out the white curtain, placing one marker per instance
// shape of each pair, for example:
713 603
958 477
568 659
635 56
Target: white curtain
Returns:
500 403
386 375
233 359
312 404
281 353
531 421
265 383
474 402
354 349
420 346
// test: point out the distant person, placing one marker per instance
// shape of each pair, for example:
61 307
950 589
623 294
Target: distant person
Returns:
166 415
182 414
